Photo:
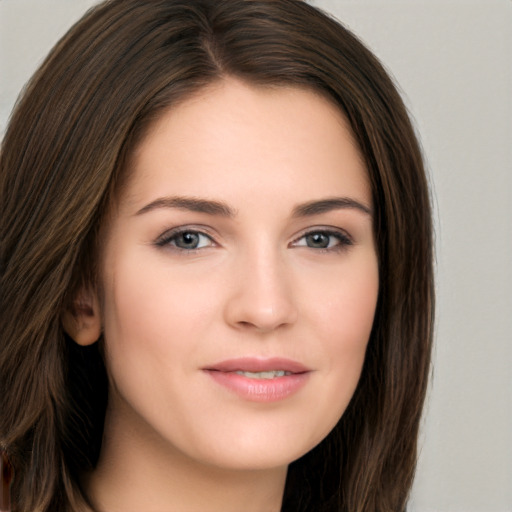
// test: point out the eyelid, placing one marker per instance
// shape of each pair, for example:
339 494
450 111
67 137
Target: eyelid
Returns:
344 237
165 239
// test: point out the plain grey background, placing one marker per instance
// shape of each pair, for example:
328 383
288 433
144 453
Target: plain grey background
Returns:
453 61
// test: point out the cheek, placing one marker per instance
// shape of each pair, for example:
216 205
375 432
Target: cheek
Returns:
154 321
344 319
133 320
150 305
345 307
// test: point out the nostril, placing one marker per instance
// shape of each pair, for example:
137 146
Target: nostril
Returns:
245 324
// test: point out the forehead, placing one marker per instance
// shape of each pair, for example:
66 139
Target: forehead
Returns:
236 134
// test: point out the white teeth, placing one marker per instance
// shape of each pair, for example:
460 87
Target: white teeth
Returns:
264 375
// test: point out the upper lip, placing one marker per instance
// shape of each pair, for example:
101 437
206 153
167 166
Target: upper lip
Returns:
256 364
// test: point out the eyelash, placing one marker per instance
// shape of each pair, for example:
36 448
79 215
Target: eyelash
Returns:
343 240
169 239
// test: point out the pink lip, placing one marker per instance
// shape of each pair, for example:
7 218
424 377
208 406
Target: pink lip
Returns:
254 364
260 390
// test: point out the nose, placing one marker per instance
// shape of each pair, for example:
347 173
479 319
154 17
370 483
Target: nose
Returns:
261 297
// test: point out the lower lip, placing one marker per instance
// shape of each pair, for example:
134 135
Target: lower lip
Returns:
260 390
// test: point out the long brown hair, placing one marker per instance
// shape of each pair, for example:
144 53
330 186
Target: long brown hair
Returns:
62 158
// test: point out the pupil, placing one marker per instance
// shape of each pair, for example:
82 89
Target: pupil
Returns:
318 240
189 240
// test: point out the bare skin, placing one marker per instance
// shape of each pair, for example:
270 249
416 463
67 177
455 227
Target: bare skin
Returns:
244 234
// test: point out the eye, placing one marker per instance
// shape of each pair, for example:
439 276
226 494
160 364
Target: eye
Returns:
186 240
323 239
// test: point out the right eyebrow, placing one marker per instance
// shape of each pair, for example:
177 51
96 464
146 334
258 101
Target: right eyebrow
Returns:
193 204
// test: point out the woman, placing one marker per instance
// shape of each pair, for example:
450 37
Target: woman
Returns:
216 267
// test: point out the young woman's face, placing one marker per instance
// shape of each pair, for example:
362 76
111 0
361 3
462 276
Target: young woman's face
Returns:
239 278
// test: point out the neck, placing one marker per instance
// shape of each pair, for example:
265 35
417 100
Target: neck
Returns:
141 472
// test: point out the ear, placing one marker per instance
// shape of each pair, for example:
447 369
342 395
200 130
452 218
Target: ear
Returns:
81 319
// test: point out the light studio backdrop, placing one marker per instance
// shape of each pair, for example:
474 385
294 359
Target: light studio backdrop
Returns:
453 61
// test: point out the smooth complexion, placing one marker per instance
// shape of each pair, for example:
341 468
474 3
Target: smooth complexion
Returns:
242 241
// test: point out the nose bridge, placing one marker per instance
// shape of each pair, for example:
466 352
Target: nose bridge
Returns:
263 291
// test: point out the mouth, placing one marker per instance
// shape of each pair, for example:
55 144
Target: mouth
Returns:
272 374
260 367
260 380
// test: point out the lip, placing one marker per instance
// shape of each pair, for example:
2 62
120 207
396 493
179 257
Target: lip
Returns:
256 364
260 390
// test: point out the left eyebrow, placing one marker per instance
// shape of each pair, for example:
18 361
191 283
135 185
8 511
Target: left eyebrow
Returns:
326 205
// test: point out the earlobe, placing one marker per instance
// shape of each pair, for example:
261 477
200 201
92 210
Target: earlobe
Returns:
81 319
